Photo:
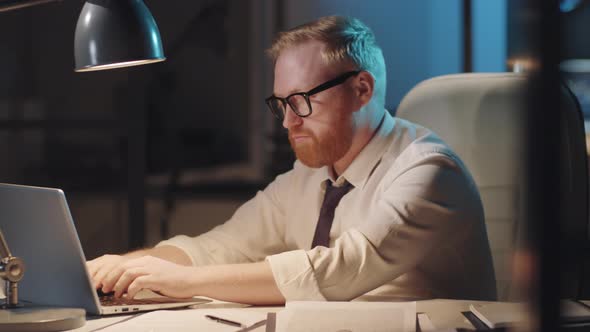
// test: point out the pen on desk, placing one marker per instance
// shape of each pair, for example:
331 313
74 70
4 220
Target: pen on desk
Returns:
224 321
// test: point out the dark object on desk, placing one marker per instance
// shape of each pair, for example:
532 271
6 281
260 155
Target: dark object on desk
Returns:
478 324
223 321
574 316
574 312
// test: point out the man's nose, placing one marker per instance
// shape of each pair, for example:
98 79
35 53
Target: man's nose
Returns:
291 119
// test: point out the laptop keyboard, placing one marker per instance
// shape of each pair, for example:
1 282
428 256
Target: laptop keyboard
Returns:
110 300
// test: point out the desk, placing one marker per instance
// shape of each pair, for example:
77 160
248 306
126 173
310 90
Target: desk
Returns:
443 313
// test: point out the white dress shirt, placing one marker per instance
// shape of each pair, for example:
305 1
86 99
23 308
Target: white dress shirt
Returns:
412 226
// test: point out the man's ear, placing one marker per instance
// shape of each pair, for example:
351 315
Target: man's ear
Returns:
364 87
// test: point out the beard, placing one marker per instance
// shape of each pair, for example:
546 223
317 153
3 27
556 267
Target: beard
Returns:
325 149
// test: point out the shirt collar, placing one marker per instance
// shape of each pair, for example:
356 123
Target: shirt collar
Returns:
362 166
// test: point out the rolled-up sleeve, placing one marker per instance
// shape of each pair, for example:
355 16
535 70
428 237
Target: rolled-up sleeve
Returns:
426 205
295 277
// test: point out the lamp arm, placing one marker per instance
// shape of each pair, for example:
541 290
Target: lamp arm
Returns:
6 5
4 250
12 270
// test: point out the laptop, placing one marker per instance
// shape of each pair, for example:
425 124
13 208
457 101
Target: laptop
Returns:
39 228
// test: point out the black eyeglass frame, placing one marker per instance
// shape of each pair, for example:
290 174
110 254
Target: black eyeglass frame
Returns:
322 87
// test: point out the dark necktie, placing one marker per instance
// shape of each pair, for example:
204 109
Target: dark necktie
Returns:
331 199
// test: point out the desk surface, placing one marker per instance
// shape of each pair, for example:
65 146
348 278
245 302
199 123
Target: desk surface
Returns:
444 314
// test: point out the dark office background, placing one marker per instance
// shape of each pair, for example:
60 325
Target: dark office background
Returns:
76 131
209 142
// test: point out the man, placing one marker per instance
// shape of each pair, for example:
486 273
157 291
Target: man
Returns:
408 222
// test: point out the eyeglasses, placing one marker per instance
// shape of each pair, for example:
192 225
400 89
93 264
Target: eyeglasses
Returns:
299 101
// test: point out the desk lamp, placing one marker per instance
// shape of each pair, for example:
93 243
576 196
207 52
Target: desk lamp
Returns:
114 34
109 34
15 317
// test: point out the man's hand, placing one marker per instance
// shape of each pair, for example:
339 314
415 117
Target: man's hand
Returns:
106 270
130 275
101 268
156 274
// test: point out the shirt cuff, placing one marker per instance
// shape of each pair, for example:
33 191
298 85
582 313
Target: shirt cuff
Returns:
181 242
294 276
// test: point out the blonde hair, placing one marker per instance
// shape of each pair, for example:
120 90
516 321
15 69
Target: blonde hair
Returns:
346 40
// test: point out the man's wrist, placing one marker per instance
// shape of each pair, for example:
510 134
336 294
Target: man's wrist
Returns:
137 253
195 280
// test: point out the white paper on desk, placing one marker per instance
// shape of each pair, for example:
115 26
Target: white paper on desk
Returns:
500 314
425 323
187 320
308 316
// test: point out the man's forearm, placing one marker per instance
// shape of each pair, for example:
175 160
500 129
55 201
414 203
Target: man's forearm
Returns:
160 269
169 253
251 283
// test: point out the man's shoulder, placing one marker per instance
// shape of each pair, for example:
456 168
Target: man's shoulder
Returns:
413 141
414 146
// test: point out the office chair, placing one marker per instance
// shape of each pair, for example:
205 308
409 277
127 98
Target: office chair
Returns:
482 117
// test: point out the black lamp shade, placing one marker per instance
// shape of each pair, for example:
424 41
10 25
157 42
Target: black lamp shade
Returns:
116 33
